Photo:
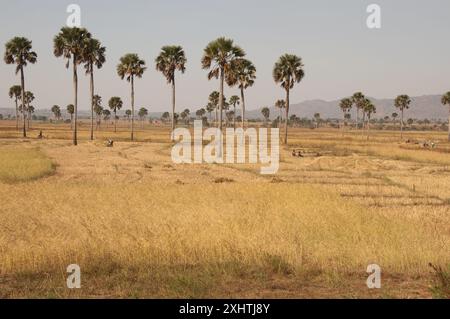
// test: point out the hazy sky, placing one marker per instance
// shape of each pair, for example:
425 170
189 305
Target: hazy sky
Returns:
409 54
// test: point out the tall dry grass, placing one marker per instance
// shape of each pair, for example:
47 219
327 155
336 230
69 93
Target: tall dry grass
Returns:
23 164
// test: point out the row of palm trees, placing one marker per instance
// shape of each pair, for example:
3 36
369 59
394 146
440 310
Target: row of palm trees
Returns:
222 58
366 106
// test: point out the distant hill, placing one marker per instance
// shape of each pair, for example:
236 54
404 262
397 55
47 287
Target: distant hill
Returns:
422 107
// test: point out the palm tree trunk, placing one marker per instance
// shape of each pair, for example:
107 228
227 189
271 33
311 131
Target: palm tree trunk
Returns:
287 117
401 127
281 117
357 118
75 87
28 116
132 108
115 121
92 102
243 107
368 126
22 80
17 114
173 110
71 122
449 123
222 79
234 116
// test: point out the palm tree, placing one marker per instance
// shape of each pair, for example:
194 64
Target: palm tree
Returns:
131 66
402 102
115 103
358 100
98 109
15 92
369 109
19 51
93 56
280 104
143 112
210 107
29 97
56 110
106 115
266 113
446 101
287 71
243 74
171 59
30 112
345 105
317 119
234 100
220 57
165 116
394 117
70 44
71 110
214 101
186 113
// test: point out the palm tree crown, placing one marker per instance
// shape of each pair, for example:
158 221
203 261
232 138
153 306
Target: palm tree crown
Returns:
445 100
115 103
131 66
171 59
15 91
219 55
93 55
288 70
19 51
70 43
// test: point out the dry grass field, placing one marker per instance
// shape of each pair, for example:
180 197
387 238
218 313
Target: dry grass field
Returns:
140 226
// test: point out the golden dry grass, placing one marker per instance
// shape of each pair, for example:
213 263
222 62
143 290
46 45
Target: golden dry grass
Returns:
141 226
20 165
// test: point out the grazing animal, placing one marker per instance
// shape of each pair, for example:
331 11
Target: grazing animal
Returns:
40 136
110 143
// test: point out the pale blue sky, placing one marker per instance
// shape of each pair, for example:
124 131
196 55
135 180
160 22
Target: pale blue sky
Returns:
410 54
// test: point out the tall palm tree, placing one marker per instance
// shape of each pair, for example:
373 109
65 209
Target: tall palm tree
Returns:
115 103
234 100
243 74
29 97
143 112
131 67
71 110
358 100
30 112
369 109
171 59
56 110
70 44
345 106
266 114
219 57
214 101
15 92
287 71
317 119
210 107
19 51
446 101
93 56
280 104
402 103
